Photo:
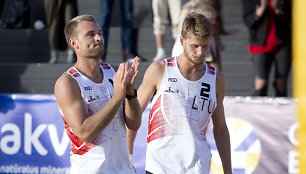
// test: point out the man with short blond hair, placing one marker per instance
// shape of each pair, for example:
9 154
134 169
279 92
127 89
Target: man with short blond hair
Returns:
97 104
185 94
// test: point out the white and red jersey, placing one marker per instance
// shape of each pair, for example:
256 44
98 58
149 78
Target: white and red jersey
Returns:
108 152
180 113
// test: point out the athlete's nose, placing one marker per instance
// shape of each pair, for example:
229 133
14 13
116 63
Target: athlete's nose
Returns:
98 37
203 51
200 51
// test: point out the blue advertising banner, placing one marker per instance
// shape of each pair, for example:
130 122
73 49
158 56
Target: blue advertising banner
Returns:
262 130
32 138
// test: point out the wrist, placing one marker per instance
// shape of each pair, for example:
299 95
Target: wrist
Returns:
130 91
131 95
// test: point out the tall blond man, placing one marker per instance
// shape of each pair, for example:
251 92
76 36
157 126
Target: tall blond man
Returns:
186 94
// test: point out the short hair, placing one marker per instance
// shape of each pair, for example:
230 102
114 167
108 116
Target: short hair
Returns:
70 28
198 25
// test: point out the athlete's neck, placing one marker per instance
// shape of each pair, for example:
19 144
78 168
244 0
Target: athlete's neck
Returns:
91 69
189 70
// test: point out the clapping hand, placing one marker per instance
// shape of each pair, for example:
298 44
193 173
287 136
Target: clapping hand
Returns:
131 74
119 83
124 79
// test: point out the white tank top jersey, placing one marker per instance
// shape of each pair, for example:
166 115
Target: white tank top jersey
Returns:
180 113
108 152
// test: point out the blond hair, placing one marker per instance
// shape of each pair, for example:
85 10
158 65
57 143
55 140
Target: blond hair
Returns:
70 28
198 25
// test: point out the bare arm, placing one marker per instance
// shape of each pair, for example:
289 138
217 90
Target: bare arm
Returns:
132 107
220 128
131 136
150 84
261 9
252 13
68 96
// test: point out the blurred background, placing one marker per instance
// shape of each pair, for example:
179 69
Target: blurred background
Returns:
27 79
24 51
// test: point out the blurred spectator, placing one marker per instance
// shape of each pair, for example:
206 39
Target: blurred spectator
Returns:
14 14
269 24
126 8
160 22
220 29
58 14
183 2
217 5
213 58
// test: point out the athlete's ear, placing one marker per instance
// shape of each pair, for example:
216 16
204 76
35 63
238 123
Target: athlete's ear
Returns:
181 40
73 43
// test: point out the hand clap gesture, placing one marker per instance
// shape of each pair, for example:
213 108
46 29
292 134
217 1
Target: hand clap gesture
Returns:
124 79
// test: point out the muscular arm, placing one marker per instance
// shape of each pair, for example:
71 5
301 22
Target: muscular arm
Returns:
150 84
68 96
132 107
220 128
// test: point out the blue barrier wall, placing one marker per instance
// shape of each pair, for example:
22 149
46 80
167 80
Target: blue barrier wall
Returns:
262 130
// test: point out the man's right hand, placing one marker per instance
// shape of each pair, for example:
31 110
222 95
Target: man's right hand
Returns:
119 83
131 74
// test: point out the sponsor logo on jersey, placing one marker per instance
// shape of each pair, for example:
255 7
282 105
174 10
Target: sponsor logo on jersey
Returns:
91 98
245 147
172 80
169 90
87 88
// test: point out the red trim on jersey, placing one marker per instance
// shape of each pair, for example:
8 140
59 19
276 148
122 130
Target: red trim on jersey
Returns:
211 70
73 72
170 61
76 75
158 127
77 146
105 66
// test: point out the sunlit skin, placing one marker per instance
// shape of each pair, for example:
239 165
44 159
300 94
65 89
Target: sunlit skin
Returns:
191 65
87 41
195 49
90 42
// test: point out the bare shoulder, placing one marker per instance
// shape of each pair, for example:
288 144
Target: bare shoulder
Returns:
220 76
220 83
157 67
153 77
65 86
63 81
155 71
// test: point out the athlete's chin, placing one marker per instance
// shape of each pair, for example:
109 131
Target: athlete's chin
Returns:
197 61
97 53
